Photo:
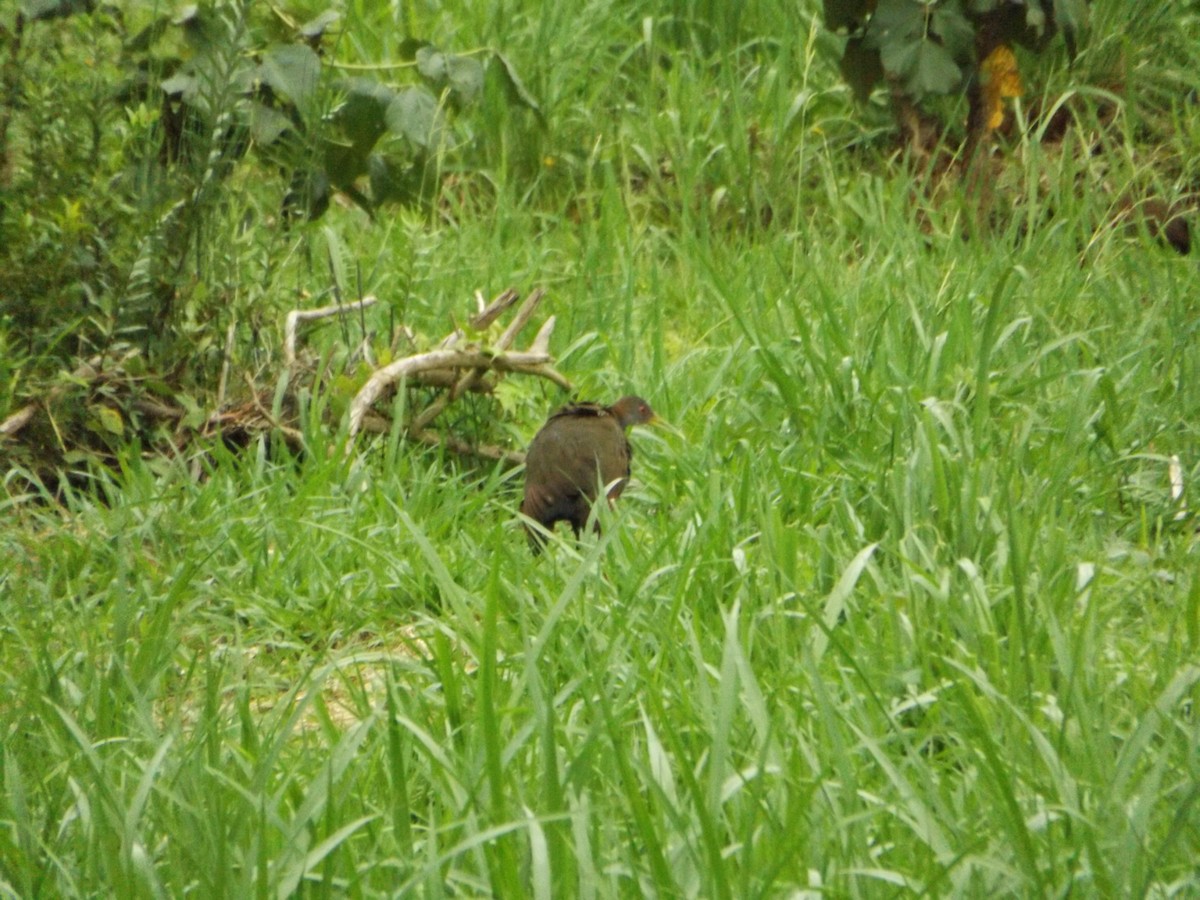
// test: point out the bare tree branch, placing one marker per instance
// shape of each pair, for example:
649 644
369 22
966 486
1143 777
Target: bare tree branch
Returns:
296 316
460 367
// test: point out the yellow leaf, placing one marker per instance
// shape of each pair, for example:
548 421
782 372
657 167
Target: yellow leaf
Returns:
1000 79
110 419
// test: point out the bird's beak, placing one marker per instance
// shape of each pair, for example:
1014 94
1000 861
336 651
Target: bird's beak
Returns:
658 421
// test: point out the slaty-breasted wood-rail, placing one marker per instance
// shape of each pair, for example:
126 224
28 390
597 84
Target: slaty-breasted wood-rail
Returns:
580 450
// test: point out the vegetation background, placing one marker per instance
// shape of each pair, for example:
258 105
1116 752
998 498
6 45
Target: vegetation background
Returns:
908 605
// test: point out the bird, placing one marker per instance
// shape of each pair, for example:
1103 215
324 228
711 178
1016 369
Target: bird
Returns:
582 448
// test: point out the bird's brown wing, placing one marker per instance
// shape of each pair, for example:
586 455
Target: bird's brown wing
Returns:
579 448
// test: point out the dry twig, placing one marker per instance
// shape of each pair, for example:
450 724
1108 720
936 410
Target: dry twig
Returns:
459 367
296 316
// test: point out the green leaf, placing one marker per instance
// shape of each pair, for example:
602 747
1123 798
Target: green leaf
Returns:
109 419
835 603
292 70
267 124
895 22
957 34
414 115
180 85
924 66
465 76
407 50
315 28
362 114
202 29
899 57
513 85
935 71
431 63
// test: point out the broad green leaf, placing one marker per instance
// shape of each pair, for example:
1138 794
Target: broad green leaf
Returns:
957 34
407 50
414 115
514 86
292 70
465 76
109 419
180 84
935 72
897 21
202 29
924 66
362 113
899 57
267 124
431 63
316 27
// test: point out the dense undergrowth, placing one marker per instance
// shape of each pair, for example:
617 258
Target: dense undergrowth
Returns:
906 604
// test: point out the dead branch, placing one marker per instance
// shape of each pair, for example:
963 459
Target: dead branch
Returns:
541 341
226 362
459 366
296 316
521 319
160 412
448 378
490 312
470 379
86 371
293 435
436 359
17 420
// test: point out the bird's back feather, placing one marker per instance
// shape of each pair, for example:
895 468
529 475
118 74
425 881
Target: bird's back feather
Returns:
581 448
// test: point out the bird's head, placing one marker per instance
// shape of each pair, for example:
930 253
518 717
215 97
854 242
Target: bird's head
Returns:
633 411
